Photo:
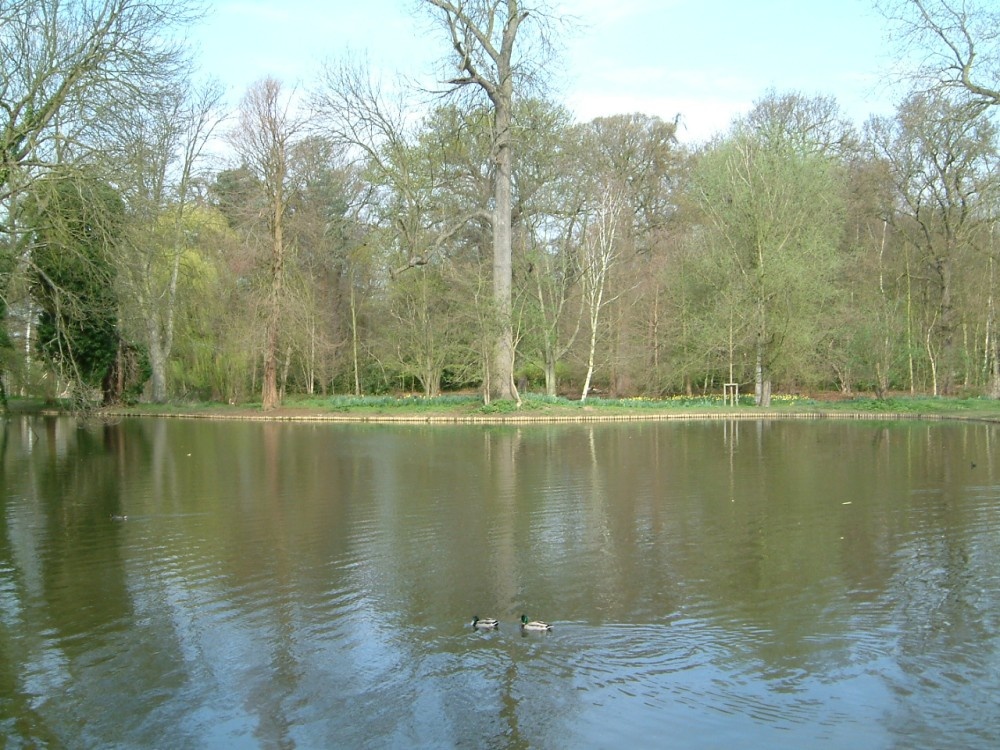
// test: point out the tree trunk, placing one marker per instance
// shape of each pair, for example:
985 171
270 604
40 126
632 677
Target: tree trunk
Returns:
932 359
994 391
503 365
551 385
472 28
991 348
269 398
354 340
311 366
157 365
162 338
283 382
946 326
762 380
262 139
269 390
591 354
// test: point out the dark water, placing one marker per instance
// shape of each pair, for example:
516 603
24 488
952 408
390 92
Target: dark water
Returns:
779 585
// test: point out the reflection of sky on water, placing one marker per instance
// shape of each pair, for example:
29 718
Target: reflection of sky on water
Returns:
317 588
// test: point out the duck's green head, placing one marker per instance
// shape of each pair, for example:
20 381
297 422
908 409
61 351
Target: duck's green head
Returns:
524 619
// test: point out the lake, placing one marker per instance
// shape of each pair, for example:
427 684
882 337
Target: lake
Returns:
779 584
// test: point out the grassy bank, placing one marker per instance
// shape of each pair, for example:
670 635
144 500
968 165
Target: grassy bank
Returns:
470 408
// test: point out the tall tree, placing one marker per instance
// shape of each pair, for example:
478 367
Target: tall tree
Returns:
325 230
162 145
772 204
263 139
869 343
483 34
77 219
428 182
68 68
942 158
552 198
637 157
600 247
958 44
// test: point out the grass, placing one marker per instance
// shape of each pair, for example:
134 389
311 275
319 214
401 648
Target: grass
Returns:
459 407
907 405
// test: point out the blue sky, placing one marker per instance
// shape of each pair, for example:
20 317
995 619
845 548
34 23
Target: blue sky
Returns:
707 60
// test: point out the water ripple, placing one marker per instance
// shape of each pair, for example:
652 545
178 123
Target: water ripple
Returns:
315 590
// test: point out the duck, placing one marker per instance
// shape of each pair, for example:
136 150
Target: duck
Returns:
534 624
116 517
484 623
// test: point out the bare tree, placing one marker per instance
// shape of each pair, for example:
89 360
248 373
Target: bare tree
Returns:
957 43
483 34
263 138
66 64
428 187
553 267
599 252
68 70
360 118
163 146
638 155
941 160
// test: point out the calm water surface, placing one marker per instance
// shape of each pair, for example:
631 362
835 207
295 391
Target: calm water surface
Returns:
778 584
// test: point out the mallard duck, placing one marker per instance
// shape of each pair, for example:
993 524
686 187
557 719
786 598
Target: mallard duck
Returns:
116 517
484 623
533 624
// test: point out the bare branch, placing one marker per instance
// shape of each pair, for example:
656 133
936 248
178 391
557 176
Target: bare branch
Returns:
959 42
67 67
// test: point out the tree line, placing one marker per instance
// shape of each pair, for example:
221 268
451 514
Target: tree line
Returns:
357 238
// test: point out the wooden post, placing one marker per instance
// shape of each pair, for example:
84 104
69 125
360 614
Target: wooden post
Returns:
731 391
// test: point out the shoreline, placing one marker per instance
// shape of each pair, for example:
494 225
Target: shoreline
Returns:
448 411
292 415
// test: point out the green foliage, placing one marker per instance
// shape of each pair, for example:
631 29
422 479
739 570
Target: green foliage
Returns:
499 406
212 359
234 193
772 202
532 374
375 381
915 405
76 219
425 335
386 402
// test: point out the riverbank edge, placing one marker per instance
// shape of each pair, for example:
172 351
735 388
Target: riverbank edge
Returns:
314 416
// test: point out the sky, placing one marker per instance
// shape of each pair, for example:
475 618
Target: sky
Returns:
705 60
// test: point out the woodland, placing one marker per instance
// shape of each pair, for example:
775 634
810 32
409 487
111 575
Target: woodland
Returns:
158 245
